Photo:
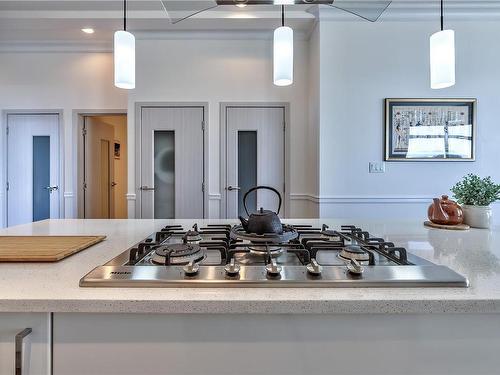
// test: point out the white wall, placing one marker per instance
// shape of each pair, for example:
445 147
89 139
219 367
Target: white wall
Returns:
342 75
223 70
363 63
66 81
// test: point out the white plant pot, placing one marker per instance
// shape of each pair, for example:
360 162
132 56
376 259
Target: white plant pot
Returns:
478 216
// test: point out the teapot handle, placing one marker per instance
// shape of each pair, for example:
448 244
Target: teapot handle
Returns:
259 188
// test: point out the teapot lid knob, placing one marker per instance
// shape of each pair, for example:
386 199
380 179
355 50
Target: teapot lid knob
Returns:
261 210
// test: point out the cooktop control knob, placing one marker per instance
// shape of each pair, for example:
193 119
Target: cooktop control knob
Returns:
355 267
191 269
232 269
273 269
314 268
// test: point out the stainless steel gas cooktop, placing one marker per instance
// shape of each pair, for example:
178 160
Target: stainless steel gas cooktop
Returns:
301 256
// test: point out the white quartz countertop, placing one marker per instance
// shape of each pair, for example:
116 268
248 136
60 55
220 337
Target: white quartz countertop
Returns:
54 287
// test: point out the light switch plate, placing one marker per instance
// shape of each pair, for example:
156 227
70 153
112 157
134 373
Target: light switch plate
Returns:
376 167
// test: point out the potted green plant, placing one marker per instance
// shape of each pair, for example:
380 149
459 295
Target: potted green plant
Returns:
475 194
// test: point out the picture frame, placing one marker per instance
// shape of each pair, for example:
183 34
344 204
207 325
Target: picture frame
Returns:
117 150
430 129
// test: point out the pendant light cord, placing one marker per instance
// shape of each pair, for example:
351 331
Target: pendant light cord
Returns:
442 15
282 15
124 15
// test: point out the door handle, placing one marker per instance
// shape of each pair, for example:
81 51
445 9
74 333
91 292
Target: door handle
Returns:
113 184
19 349
147 188
231 188
51 189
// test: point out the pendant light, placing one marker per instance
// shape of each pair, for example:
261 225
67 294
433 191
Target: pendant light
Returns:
283 53
442 51
124 52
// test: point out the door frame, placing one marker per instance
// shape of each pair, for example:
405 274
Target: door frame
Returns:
4 156
78 121
224 106
138 148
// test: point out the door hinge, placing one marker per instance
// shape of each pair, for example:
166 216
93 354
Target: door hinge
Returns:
84 186
7 186
84 132
284 188
203 187
284 126
7 130
203 125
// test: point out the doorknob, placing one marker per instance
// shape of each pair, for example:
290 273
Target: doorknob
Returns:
51 189
231 188
147 188
113 184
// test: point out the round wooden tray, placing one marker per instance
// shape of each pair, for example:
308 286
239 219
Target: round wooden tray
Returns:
430 224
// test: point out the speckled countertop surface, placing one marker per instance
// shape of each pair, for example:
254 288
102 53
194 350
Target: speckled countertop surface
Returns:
36 287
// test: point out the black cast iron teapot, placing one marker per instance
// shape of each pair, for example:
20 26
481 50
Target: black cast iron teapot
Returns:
263 221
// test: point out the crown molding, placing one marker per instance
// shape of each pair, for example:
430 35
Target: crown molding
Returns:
55 46
214 35
423 10
104 46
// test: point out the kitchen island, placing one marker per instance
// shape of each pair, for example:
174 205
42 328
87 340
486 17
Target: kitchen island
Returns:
262 330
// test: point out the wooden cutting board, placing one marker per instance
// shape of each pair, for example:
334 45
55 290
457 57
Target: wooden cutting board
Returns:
43 248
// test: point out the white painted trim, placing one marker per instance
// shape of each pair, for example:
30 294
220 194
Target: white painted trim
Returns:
215 197
424 10
214 35
107 47
361 199
55 46
69 195
131 197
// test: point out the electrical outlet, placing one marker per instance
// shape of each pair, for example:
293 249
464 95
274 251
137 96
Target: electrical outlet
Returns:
376 167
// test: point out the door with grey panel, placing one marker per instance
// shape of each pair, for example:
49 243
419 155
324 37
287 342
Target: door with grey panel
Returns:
32 168
255 151
172 160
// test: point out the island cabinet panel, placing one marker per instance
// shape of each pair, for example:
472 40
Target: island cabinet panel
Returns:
204 344
34 344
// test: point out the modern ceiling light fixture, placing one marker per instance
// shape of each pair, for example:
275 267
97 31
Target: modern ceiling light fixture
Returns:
124 51
283 53
442 56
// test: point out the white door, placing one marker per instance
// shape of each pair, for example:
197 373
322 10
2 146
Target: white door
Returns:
255 150
172 152
32 168
98 170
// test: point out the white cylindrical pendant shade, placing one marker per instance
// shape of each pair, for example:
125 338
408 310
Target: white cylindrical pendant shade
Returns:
283 56
442 59
124 60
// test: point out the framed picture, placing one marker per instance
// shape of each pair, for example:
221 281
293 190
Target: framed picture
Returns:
430 129
118 150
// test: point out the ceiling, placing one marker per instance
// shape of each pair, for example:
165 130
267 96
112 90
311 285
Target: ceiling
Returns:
62 20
